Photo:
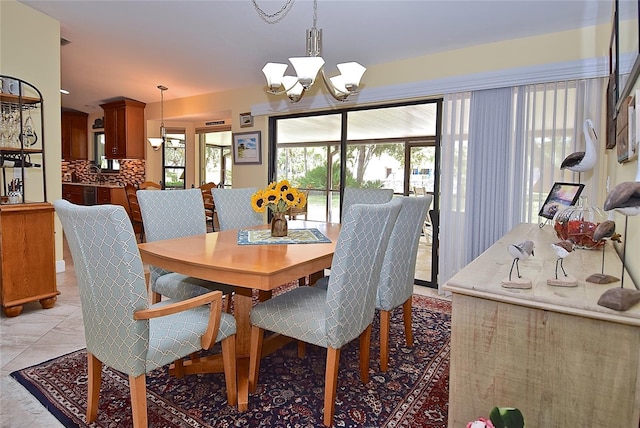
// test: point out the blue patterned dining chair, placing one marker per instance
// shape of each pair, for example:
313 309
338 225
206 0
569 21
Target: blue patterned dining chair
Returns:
398 271
121 329
172 214
356 195
234 208
334 316
395 287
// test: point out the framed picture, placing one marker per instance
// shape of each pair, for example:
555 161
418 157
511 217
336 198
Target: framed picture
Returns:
247 148
561 196
246 120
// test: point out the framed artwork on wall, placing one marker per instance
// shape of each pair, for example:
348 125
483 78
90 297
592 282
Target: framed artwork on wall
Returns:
247 148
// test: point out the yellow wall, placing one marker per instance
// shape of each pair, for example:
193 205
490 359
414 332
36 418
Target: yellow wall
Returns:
30 50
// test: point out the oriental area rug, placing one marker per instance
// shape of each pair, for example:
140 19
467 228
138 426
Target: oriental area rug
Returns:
412 393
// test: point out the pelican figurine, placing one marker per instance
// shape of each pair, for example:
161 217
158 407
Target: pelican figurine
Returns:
520 251
583 161
562 249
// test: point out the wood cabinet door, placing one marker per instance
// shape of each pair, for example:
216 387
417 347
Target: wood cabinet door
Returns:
73 194
124 129
75 138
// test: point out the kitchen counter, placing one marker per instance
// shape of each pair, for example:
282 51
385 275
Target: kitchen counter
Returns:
107 185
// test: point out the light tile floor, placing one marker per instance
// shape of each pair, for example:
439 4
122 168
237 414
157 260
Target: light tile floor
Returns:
39 335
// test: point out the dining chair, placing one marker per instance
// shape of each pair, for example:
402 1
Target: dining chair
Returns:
175 214
357 195
294 212
234 208
395 288
209 206
122 330
149 185
334 316
134 209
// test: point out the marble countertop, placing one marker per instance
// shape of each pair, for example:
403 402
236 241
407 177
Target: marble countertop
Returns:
483 277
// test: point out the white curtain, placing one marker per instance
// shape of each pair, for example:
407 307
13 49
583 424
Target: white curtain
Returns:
501 153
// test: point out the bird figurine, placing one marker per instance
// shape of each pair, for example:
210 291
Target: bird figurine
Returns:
625 197
583 161
562 250
520 251
604 230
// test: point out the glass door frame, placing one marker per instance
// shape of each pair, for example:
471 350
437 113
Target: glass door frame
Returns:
272 163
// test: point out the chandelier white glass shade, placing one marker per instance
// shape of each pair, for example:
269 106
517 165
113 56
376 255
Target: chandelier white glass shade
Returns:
157 142
307 69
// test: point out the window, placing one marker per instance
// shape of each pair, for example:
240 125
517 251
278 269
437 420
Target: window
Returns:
174 159
106 165
215 157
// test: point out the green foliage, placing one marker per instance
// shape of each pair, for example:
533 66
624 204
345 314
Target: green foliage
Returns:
506 417
317 179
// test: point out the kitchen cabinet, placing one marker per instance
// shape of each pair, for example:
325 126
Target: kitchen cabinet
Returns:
27 249
88 194
75 136
73 193
124 129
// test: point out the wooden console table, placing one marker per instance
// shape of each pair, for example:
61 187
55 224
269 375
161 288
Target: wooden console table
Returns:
552 352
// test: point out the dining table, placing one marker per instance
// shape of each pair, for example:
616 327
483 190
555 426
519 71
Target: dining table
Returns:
225 258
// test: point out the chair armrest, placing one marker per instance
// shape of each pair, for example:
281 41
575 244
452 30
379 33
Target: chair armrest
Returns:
215 311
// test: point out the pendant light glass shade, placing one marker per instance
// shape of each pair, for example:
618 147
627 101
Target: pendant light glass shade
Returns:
155 141
307 68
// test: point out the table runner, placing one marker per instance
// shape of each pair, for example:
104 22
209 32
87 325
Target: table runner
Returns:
294 236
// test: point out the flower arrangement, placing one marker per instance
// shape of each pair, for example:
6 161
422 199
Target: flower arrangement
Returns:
278 197
500 417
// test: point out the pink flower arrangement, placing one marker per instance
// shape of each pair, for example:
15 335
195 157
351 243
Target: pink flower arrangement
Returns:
481 423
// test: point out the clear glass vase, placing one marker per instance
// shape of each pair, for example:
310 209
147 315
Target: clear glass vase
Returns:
578 223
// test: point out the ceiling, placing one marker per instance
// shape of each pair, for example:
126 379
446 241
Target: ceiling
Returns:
127 48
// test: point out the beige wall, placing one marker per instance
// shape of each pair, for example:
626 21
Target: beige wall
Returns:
34 56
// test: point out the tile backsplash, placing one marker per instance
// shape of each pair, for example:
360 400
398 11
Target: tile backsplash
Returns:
131 171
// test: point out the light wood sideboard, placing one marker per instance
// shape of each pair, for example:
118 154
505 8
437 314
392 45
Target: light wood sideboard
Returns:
550 351
27 253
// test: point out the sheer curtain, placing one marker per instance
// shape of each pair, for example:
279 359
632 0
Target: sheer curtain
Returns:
501 153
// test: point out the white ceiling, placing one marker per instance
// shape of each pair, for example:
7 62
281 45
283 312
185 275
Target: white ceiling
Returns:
127 48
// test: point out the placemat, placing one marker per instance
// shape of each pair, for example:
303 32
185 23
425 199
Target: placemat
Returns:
295 236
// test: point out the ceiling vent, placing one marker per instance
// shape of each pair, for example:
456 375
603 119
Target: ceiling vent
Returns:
64 42
214 123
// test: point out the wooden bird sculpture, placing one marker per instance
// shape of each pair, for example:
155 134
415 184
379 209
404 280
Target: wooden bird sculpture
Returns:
562 249
604 230
520 251
583 161
625 197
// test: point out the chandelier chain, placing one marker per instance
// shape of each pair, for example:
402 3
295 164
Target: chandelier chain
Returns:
273 18
315 12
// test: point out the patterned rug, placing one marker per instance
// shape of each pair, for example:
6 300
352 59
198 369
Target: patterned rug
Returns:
413 393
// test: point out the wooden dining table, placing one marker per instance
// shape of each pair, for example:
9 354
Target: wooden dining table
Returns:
218 257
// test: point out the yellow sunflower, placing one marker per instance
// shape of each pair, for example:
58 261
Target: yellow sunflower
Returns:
302 199
291 197
259 202
272 196
283 186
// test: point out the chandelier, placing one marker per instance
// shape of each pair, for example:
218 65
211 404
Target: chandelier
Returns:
157 142
307 68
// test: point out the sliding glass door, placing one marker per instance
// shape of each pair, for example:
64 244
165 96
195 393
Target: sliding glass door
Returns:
385 147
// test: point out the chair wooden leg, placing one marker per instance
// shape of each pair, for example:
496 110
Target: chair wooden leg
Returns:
94 373
330 384
138 388
264 295
302 349
385 322
365 352
178 367
155 297
406 312
255 350
229 362
302 281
